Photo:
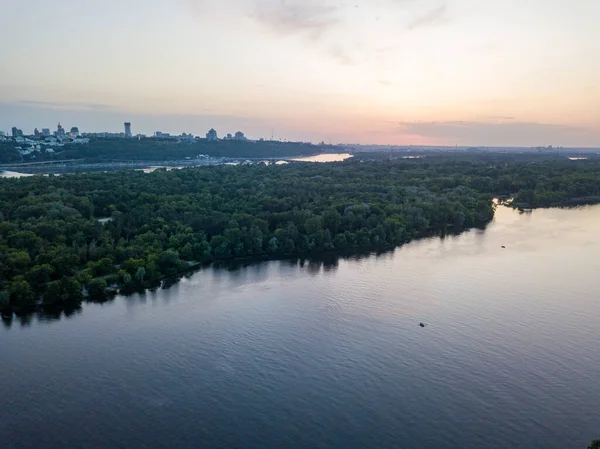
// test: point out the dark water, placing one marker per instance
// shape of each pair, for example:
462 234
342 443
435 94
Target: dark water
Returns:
279 355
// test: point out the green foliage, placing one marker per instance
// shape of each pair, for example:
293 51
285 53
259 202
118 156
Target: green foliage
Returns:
594 445
4 299
21 293
140 275
62 291
97 288
149 149
51 243
84 277
103 267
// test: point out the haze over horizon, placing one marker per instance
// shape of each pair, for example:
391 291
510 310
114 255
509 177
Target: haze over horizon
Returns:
431 72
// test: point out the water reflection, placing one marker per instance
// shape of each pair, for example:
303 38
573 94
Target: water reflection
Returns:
46 314
324 158
7 319
251 272
509 344
13 174
241 271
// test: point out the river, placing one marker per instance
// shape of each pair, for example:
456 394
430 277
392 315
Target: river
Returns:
12 174
301 355
331 157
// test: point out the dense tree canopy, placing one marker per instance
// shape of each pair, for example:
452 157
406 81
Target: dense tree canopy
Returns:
65 236
149 149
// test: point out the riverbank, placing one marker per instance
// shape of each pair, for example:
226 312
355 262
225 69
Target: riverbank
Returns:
168 280
56 238
511 338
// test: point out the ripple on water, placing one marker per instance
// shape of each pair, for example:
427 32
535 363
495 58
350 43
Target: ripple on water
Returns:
284 354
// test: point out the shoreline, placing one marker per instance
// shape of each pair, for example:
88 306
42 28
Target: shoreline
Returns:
321 255
359 251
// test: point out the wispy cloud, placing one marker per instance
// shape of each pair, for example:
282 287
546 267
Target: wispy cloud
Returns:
436 16
499 117
337 53
508 132
287 17
310 20
66 105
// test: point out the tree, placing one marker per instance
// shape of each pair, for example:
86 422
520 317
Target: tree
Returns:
127 279
169 262
332 220
140 274
49 228
96 288
594 445
22 294
4 299
53 294
313 225
220 246
71 288
60 292
39 276
273 245
103 267
340 241
84 276
132 265
327 243
19 261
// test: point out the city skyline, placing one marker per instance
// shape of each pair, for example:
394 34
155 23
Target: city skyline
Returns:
400 72
212 134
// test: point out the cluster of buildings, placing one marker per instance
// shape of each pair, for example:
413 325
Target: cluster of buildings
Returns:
43 140
47 140
212 136
126 134
60 133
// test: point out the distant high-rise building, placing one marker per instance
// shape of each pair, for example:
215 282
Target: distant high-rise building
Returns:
239 136
74 132
37 133
16 132
212 135
60 131
127 129
46 132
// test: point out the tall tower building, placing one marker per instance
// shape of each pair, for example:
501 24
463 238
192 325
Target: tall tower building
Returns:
212 135
127 129
60 131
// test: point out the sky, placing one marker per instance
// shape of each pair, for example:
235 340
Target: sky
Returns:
404 72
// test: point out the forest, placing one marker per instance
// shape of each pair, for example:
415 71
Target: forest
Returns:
149 149
66 237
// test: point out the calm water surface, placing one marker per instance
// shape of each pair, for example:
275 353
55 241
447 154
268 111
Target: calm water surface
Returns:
12 174
325 158
290 355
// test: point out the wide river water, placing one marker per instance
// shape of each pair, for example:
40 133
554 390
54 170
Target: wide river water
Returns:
330 355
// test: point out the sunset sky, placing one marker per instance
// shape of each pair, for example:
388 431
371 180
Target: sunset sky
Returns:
465 72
